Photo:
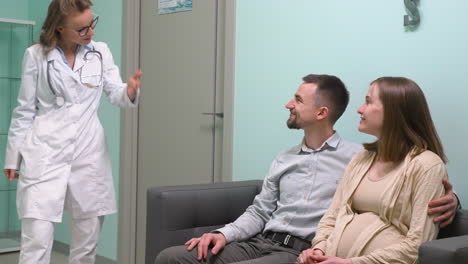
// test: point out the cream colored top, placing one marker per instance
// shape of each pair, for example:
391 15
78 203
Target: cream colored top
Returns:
366 204
394 233
367 196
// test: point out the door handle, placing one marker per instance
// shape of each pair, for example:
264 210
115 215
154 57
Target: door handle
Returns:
220 115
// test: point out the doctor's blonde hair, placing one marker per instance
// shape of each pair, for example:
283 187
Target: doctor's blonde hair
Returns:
56 15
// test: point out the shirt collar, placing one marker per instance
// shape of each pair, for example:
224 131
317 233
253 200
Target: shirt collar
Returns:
90 46
331 142
87 47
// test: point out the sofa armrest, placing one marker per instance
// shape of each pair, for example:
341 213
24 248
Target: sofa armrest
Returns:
177 213
452 250
459 226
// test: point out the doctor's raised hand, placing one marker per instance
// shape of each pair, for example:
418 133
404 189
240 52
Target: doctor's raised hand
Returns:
133 84
56 139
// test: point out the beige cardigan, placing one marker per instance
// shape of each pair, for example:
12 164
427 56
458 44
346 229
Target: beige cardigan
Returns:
404 205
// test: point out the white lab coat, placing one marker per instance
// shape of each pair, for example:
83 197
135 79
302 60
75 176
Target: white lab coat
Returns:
61 150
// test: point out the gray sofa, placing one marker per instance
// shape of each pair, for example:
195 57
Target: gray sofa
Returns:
178 213
451 246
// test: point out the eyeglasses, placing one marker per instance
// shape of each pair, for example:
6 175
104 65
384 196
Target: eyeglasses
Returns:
83 31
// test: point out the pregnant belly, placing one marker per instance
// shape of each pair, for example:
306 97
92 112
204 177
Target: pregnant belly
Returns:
353 230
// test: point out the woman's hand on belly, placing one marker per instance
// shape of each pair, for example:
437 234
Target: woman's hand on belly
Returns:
311 256
308 256
331 260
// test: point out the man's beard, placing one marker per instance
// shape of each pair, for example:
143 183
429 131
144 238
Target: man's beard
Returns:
292 123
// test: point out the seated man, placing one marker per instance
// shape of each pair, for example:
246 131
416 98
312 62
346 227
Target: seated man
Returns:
297 190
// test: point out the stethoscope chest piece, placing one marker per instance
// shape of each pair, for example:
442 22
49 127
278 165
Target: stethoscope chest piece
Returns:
59 100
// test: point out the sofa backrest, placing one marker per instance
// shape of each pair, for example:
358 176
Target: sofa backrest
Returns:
459 226
177 213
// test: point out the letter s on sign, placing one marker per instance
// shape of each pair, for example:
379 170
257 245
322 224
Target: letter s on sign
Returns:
412 18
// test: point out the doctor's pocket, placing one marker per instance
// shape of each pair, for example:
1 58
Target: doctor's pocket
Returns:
34 159
91 74
91 81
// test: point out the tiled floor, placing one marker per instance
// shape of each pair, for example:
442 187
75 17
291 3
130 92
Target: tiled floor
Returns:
12 258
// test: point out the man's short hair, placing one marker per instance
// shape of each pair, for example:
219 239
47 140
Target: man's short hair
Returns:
331 92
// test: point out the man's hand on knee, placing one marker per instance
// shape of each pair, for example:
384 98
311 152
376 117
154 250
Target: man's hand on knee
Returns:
216 239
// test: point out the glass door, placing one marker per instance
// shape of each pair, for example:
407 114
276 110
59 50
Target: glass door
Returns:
15 37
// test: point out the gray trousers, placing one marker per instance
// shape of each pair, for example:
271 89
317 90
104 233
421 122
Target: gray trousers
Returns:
256 250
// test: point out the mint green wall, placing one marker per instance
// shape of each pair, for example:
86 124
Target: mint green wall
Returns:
108 30
278 42
13 40
17 9
37 12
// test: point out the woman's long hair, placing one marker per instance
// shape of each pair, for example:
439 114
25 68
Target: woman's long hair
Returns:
407 123
56 15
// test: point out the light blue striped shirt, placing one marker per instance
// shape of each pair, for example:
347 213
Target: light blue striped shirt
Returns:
90 46
296 192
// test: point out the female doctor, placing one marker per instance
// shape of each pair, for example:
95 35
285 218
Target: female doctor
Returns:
56 140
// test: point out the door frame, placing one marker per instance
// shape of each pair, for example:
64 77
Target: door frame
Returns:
128 179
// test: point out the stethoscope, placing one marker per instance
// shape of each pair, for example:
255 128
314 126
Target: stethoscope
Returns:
60 100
